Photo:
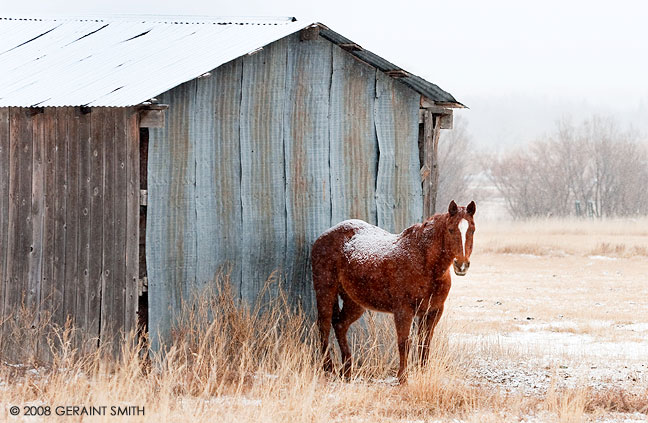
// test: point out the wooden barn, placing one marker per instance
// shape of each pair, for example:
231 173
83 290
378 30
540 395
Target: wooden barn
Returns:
141 156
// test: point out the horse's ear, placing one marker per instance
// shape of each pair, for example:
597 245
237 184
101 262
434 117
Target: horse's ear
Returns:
471 208
452 208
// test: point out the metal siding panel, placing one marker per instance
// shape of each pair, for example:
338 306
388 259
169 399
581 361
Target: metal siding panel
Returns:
354 150
398 188
171 212
215 131
306 140
262 167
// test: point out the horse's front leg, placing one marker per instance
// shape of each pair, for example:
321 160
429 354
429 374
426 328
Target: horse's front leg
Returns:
427 323
403 320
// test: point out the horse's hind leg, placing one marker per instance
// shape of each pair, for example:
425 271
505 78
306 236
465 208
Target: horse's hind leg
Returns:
326 291
351 311
427 323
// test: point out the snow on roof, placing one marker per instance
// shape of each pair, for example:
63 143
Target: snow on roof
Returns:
125 60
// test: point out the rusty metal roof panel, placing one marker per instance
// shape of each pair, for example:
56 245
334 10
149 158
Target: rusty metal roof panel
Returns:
119 61
126 60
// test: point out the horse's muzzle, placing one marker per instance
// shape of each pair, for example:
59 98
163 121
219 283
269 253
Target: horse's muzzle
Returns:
460 269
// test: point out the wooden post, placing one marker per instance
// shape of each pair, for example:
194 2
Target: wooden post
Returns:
430 169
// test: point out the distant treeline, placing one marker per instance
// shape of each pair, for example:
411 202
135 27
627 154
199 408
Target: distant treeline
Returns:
588 169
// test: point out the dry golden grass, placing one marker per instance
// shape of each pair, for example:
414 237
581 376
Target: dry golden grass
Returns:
229 362
557 237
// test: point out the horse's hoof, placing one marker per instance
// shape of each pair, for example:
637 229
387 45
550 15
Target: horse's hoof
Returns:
402 379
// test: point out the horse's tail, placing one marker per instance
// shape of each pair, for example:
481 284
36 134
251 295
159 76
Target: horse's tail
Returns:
336 304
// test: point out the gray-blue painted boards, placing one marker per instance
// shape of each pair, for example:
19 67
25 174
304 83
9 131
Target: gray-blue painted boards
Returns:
259 158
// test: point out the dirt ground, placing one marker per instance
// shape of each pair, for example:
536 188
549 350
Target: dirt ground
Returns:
562 307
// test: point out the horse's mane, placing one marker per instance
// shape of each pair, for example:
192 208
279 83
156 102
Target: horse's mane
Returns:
413 231
416 230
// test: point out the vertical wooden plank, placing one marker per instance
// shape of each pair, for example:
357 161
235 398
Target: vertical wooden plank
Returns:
20 164
61 195
306 140
262 167
171 213
96 241
354 150
47 298
120 194
85 145
215 131
49 198
398 190
22 252
37 214
131 141
431 133
109 284
4 203
73 290
20 170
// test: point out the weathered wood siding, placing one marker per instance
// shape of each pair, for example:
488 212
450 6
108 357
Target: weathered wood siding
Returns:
259 158
66 217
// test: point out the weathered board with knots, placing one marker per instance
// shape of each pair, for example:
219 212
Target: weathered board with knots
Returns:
64 224
258 158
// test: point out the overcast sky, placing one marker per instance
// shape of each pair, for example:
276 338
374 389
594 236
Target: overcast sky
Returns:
518 65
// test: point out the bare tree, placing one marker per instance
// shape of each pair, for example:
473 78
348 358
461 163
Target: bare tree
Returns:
594 165
456 168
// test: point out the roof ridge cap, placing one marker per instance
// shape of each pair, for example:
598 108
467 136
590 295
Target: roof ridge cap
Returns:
166 19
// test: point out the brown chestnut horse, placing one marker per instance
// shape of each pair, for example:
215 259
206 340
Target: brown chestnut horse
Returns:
407 275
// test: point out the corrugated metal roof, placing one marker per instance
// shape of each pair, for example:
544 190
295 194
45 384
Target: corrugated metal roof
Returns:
126 60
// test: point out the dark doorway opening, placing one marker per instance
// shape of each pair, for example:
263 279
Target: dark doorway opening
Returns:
142 304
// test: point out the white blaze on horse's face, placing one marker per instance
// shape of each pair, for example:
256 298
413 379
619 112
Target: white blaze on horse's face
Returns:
463 228
461 265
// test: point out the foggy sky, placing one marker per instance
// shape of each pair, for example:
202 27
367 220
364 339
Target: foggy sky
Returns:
519 66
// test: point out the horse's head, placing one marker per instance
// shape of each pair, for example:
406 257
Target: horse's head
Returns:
459 230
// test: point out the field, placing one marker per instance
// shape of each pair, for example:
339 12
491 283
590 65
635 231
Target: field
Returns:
550 324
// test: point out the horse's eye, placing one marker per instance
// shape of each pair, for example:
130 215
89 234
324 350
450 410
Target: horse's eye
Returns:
451 231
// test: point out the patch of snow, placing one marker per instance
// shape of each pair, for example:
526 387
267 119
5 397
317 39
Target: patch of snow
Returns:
234 400
558 344
387 381
636 327
601 258
524 255
261 375
368 243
